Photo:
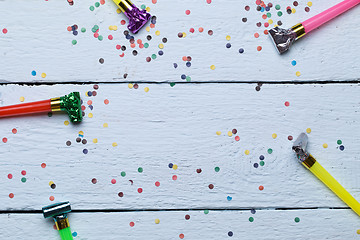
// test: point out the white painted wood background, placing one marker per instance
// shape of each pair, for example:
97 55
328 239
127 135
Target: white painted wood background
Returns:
178 124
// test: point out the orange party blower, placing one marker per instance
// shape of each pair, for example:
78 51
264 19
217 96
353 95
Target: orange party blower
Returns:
71 104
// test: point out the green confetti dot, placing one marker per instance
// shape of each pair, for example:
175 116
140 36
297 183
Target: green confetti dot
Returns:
143 6
268 15
217 169
140 169
297 219
277 7
74 42
100 37
339 142
153 56
206 211
146 45
96 27
270 151
97 4
23 179
83 29
188 78
251 219
262 163
172 84
279 13
91 8
123 174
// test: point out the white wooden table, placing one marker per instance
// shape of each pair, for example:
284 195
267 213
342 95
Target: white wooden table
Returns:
149 129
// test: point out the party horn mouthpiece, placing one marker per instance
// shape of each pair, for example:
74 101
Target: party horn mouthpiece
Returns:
58 212
137 18
284 38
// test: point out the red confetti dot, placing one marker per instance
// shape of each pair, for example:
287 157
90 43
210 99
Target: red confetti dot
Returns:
122 55
259 48
10 176
256 35
14 131
266 32
211 186
157 184
154 1
11 195
290 138
192 30
106 101
43 165
264 16
123 22
261 187
140 190
187 12
51 198
96 35
266 24
113 181
237 138
23 172
118 47
132 224
181 236
5 31
287 104
208 1
120 194
198 170
258 2
102 2
187 216
4 140
83 107
94 181
110 37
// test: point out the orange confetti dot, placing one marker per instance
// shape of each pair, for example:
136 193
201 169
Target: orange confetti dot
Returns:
266 32
184 58
139 41
256 35
106 101
152 25
264 16
259 48
51 198
132 45
201 29
261 187
181 236
89 102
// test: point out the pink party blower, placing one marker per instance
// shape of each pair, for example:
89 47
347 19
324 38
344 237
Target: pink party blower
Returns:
283 38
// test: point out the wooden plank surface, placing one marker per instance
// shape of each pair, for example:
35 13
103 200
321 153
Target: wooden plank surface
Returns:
37 40
179 125
267 224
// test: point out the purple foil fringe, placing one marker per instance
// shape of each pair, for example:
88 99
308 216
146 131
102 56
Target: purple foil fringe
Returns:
137 18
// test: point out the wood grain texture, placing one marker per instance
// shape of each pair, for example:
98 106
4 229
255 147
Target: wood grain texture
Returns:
178 125
38 39
267 224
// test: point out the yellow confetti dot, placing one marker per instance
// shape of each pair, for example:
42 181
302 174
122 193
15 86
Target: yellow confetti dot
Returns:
146 89
51 183
175 166
161 46
118 10
130 85
22 99
228 37
86 94
157 33
115 28
147 9
293 10
309 4
298 74
274 135
325 145
218 133
105 125
147 29
43 75
229 133
308 130
81 133
66 122
90 115
212 67
95 140
270 21
157 221
184 34
114 144
110 27
247 152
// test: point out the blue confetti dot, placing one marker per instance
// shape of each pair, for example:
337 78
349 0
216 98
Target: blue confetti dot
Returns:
33 73
175 65
183 76
256 165
230 233
267 9
342 148
262 9
74 234
229 198
293 62
241 50
161 53
91 107
171 165
228 45
253 211
85 151
261 157
128 37
75 33
73 28
188 64
89 93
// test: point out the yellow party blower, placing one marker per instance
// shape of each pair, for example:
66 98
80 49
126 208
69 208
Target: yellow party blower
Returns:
310 163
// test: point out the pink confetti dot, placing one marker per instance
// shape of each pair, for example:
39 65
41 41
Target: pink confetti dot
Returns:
237 138
110 37
141 45
140 190
154 1
192 30
266 24
4 31
10 176
181 236
23 172
208 1
11 195
14 130
187 12
51 198
157 183
102 2
287 104
4 140
113 181
106 101
174 177
132 224
122 55
43 165
96 35
118 47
